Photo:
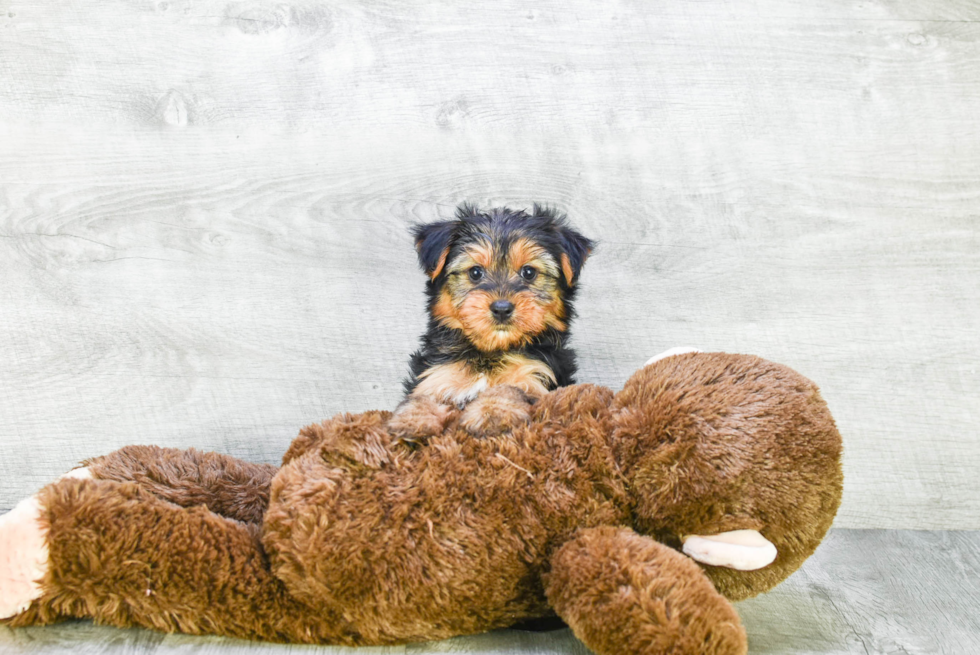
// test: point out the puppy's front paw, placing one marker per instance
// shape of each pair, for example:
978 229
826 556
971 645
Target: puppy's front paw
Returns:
419 418
23 557
497 410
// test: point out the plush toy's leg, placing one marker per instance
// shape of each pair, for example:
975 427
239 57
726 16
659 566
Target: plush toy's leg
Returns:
227 486
23 557
621 592
112 552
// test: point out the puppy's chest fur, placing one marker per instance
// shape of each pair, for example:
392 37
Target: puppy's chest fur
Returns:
459 382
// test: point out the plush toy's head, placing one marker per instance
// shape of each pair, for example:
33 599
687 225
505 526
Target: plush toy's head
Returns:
713 442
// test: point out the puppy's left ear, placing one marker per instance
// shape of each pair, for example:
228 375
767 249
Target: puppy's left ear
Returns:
432 245
575 250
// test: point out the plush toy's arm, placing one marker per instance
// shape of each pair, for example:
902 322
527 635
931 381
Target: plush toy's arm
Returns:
227 486
358 438
121 556
621 592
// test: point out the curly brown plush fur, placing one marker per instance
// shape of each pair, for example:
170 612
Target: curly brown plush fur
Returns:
367 540
625 593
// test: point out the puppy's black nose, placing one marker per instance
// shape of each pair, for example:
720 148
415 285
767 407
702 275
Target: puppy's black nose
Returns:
502 309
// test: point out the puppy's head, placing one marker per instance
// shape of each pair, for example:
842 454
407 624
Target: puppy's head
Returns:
501 276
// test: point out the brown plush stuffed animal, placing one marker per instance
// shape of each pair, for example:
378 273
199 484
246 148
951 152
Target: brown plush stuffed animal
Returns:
360 539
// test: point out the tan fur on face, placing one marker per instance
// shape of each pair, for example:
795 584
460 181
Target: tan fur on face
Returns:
483 254
531 317
525 251
462 307
472 315
484 332
445 312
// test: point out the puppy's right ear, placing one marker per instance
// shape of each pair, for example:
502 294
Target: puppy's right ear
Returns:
432 245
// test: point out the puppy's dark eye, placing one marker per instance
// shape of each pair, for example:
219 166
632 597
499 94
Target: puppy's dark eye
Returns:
529 273
475 273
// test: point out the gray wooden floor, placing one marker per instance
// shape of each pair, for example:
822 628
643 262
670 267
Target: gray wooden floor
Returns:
864 592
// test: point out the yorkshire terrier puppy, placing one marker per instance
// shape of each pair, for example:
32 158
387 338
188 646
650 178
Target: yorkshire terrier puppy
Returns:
500 291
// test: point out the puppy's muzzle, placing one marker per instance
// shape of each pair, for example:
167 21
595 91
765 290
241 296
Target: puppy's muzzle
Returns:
502 310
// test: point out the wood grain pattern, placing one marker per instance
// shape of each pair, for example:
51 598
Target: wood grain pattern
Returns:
203 211
79 638
872 591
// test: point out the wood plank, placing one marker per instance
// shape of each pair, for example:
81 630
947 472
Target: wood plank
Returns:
558 642
188 645
78 638
873 591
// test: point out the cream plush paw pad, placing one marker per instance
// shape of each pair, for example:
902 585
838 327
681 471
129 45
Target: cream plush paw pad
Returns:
23 557
743 550
680 350
79 474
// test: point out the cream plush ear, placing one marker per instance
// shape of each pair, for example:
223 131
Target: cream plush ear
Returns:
680 350
742 550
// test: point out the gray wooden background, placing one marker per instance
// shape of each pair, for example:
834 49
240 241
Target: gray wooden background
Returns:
204 203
